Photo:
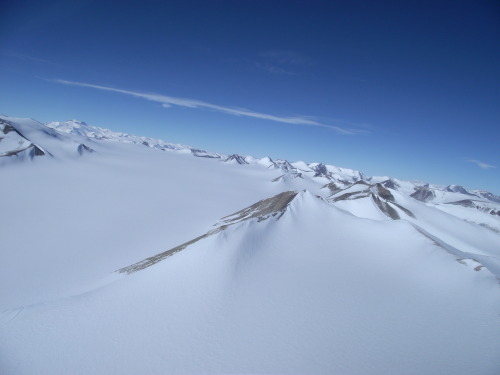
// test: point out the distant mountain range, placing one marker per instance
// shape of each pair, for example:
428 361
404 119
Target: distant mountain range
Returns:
16 144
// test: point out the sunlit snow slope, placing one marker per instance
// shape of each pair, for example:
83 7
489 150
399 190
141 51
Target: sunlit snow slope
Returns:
142 258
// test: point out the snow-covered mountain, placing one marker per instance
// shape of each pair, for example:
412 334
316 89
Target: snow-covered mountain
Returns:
26 139
125 254
80 128
419 190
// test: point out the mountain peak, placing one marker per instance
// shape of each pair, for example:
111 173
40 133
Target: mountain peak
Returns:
236 158
262 209
270 207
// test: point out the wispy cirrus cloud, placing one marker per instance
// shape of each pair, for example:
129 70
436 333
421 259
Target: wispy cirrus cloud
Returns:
170 101
480 164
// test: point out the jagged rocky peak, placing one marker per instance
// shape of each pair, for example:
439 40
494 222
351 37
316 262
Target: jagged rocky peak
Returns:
380 195
487 195
288 176
479 205
237 158
423 193
321 171
457 189
5 127
268 162
204 154
285 165
390 184
262 209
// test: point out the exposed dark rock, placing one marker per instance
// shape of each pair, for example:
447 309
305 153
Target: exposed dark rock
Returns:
148 262
32 150
84 148
478 268
261 210
7 128
490 196
321 171
285 166
385 208
423 193
458 189
265 207
361 182
405 210
464 203
36 151
384 193
344 182
333 187
390 184
204 154
13 153
238 158
287 175
490 227
380 195
353 195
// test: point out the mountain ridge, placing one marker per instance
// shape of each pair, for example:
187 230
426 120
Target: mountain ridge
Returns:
320 169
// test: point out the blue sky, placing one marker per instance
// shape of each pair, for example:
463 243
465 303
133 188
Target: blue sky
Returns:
404 89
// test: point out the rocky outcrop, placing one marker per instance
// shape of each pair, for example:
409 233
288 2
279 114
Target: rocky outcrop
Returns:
423 194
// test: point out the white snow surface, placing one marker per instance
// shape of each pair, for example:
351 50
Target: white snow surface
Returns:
314 288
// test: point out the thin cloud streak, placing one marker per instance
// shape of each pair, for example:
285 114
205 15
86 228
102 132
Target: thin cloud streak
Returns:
168 101
480 164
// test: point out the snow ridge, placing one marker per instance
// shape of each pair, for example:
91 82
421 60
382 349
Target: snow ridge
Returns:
261 210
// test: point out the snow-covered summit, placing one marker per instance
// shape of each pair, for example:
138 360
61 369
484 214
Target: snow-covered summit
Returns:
80 128
27 139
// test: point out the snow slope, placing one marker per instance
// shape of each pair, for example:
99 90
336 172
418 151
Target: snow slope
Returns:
262 297
142 259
